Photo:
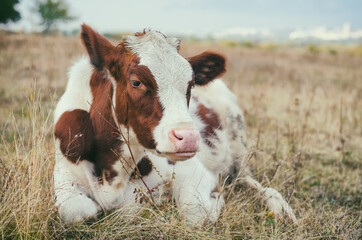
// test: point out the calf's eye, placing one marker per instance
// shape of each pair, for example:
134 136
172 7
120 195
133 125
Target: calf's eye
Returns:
135 83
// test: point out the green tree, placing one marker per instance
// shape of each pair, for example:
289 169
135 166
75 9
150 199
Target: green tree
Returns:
8 12
52 12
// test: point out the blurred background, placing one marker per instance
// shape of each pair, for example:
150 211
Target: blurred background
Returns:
240 20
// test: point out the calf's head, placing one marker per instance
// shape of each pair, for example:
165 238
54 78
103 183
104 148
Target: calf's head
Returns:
152 84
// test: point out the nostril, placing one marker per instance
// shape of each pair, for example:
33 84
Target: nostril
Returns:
179 137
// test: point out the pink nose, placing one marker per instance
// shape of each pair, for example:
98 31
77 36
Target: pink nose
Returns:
185 140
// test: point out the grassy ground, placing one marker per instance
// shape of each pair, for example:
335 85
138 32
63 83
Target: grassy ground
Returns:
303 108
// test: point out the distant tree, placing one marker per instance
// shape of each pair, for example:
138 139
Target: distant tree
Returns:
8 12
52 12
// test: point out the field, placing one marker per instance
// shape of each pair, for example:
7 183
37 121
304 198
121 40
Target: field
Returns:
303 108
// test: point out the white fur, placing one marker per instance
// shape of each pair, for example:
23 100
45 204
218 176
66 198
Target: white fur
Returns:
78 193
193 187
172 73
272 198
77 94
71 190
77 183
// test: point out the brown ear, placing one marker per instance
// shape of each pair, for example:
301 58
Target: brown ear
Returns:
98 47
207 66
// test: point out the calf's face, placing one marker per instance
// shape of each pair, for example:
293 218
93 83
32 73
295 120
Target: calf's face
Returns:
152 84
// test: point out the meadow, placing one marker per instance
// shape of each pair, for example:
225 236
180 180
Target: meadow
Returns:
303 109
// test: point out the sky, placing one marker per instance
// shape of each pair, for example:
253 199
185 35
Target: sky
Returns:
193 16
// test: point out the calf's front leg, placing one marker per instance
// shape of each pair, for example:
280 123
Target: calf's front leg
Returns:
71 194
194 190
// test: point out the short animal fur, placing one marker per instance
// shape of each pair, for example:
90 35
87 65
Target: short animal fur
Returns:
141 101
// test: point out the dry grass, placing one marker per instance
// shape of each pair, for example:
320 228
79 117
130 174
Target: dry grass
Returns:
304 119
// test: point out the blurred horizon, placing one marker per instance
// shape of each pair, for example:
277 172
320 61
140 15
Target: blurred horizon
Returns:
260 20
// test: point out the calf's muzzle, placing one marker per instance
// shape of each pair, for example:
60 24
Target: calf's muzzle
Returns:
186 143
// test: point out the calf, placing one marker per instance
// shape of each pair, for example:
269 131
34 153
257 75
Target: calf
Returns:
132 104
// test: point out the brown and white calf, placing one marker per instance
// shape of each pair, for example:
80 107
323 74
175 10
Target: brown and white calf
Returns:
142 100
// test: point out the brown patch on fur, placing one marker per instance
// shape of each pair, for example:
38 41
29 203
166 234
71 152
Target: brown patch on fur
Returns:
98 47
119 185
141 34
190 85
207 66
92 136
210 118
139 108
75 132
106 136
144 166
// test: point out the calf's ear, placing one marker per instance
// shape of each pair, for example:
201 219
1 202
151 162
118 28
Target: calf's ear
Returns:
207 66
98 47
